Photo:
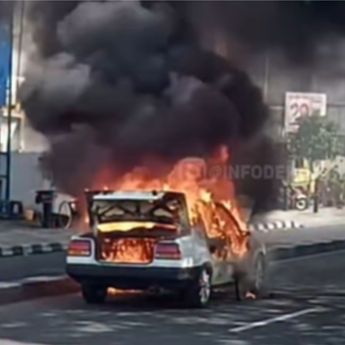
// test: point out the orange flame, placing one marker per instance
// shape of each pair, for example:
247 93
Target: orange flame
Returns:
126 226
210 197
128 250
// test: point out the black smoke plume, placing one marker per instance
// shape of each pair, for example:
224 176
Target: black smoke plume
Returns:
119 82
294 27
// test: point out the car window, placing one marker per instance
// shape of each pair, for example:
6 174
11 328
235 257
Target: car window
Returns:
170 212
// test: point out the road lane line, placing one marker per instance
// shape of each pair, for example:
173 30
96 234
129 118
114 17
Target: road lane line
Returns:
42 279
13 342
273 320
9 285
30 280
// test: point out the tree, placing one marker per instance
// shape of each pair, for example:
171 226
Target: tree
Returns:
316 139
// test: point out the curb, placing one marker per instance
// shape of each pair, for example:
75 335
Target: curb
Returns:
302 250
32 249
266 227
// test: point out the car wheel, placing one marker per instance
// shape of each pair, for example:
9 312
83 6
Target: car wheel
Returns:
199 294
93 294
252 284
259 279
301 204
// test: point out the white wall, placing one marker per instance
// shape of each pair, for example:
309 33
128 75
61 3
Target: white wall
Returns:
26 177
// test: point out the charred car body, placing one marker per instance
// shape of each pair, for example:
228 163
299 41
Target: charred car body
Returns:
143 240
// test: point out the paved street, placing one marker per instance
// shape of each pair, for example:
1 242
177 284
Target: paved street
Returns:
308 307
19 267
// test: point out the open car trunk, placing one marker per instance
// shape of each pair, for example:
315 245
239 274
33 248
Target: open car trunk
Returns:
128 228
135 246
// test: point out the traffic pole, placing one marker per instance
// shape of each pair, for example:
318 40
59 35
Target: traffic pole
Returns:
9 116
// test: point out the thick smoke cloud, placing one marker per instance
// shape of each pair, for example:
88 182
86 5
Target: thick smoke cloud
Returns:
294 27
119 82
45 15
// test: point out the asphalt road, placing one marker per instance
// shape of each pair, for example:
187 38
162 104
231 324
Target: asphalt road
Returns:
19 267
308 307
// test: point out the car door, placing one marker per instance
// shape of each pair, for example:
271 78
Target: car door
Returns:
215 247
219 262
223 243
216 243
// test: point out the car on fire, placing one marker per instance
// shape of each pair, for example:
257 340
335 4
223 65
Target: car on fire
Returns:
147 240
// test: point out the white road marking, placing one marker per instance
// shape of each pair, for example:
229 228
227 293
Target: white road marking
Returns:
273 320
12 342
42 279
30 280
7 252
9 285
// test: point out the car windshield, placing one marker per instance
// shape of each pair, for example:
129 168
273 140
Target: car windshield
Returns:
158 211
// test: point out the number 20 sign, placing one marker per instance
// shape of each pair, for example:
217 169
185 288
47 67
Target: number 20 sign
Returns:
301 104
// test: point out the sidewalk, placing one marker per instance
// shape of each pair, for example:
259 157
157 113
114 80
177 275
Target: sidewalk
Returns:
18 238
325 216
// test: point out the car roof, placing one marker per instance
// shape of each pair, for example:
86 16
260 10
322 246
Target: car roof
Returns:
133 195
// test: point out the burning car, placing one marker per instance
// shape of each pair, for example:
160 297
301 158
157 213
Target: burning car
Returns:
154 239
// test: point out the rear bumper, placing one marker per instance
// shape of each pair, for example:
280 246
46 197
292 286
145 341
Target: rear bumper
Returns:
133 277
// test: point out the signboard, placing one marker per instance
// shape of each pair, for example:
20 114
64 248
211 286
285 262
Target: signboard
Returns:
301 104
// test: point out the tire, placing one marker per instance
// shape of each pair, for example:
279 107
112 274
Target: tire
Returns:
93 294
259 280
252 282
65 215
198 295
301 204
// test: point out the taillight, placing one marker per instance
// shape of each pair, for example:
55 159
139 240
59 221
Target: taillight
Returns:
79 248
167 251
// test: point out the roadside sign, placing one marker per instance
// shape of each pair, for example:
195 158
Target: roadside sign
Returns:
301 104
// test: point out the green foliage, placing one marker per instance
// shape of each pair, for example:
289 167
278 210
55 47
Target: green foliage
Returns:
316 139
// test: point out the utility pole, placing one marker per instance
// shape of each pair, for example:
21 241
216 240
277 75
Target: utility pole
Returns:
9 115
20 44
